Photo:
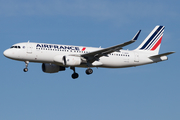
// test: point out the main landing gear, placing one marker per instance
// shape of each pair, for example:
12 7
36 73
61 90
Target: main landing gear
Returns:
26 69
76 75
89 71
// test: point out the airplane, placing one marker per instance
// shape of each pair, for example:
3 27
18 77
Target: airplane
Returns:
55 58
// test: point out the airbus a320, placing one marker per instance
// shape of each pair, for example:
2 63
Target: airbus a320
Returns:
55 58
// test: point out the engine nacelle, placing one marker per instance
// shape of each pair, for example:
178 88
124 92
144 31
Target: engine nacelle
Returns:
72 60
68 60
51 68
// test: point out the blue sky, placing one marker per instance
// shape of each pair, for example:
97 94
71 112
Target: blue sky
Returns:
149 92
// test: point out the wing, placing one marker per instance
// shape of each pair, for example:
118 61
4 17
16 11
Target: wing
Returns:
95 55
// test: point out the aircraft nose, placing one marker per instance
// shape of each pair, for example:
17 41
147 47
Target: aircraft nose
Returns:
6 53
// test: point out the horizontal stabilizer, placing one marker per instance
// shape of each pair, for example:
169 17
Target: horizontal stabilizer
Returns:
160 55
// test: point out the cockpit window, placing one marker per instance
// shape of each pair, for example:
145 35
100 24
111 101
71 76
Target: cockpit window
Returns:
19 47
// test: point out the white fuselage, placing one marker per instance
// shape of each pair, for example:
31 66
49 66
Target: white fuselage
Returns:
55 58
45 53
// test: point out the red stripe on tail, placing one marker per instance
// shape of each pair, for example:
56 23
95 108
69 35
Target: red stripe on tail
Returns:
157 44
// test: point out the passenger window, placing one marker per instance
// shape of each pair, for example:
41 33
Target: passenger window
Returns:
19 47
15 46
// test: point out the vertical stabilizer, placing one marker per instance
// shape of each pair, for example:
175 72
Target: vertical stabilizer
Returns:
153 40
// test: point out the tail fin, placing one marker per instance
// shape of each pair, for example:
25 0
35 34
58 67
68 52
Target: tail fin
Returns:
153 40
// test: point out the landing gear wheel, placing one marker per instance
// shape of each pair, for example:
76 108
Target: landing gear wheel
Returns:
26 63
89 71
25 69
75 75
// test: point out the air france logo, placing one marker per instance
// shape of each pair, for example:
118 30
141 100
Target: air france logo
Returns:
83 49
59 47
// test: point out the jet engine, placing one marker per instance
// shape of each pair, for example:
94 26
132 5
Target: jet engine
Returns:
71 60
51 68
68 60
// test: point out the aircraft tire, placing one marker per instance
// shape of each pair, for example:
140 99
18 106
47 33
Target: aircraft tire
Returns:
75 75
89 71
25 69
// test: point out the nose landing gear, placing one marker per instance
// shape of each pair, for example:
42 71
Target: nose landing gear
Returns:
26 69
